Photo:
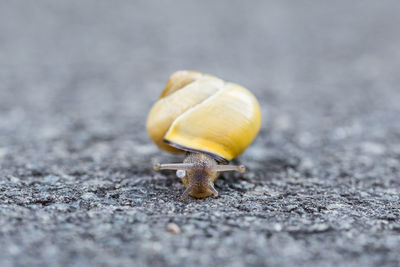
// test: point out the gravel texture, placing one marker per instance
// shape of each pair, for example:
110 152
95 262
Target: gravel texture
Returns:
77 79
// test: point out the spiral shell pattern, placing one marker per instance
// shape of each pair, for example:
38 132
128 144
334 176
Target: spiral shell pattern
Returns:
200 112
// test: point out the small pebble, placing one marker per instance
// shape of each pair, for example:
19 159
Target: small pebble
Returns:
173 228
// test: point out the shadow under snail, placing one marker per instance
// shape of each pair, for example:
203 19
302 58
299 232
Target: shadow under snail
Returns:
212 120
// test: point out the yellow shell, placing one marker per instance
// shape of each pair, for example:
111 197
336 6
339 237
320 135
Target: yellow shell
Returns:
200 112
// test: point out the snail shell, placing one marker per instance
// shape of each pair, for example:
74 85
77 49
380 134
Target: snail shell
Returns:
201 113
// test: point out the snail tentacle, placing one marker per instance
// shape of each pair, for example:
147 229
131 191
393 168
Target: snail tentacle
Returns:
225 168
213 190
186 192
173 166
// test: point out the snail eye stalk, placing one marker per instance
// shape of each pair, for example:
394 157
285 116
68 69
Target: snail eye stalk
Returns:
227 168
173 166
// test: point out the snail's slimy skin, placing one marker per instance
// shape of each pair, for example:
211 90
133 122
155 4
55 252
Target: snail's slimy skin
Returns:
200 172
199 180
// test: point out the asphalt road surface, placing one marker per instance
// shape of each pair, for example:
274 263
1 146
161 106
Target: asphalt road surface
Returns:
77 79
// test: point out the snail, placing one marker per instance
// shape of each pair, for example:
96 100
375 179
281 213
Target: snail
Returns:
211 120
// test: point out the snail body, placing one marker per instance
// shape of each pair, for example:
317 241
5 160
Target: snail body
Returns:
213 120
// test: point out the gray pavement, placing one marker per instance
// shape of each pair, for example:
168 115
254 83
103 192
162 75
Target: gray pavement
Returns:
77 79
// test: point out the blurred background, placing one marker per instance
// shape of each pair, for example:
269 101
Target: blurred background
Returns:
90 59
77 79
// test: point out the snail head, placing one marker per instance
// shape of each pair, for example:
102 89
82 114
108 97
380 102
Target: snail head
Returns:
198 173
